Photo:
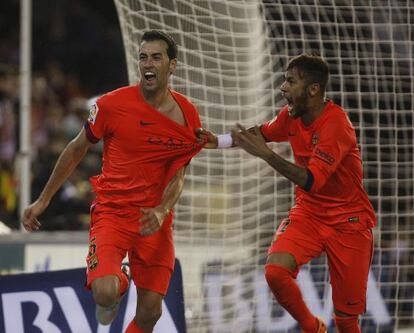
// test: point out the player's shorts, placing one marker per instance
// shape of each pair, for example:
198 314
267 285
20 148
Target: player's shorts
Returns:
349 256
115 233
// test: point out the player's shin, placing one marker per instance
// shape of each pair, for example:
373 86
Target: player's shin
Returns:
133 328
287 293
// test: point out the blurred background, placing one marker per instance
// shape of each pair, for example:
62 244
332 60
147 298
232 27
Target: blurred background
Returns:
232 56
77 54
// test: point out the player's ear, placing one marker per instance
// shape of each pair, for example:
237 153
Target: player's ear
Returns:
173 65
314 89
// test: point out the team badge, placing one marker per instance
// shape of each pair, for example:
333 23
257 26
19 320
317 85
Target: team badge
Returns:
315 139
93 112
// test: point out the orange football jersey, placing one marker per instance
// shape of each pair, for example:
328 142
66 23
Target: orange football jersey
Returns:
328 149
143 148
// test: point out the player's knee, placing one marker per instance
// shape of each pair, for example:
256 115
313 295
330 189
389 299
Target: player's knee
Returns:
284 259
346 323
106 290
148 314
276 276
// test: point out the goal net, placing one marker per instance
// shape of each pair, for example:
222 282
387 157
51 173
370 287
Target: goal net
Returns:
232 55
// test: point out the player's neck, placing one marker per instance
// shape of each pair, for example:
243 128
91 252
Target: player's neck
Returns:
314 111
156 98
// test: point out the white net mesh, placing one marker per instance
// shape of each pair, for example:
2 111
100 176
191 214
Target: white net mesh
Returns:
231 63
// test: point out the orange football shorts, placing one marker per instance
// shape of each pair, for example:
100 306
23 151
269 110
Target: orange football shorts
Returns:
115 233
349 254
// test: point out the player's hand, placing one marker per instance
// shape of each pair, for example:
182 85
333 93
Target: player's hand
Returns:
152 220
207 137
251 140
30 221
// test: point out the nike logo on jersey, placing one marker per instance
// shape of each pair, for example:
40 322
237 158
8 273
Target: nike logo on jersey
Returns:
145 123
291 134
352 303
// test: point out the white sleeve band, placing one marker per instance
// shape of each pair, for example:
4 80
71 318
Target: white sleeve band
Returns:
224 140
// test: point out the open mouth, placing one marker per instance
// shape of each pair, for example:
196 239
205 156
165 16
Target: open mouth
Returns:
290 105
149 76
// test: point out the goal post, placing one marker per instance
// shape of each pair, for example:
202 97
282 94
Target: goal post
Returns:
232 55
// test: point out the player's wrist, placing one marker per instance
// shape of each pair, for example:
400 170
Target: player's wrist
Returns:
164 210
43 201
224 140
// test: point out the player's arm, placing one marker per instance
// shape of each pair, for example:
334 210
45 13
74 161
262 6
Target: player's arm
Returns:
255 144
152 218
213 141
66 163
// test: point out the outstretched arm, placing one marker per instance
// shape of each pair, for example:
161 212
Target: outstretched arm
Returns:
255 144
213 141
66 163
153 218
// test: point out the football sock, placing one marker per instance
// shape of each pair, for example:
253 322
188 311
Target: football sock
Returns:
347 324
133 328
287 293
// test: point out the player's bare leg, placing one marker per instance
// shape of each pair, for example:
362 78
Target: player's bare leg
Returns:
107 293
149 310
279 275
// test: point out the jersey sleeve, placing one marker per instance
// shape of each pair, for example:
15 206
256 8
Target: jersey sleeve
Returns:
96 126
276 130
336 139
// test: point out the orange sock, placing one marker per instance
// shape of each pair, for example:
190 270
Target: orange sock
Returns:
347 324
133 328
287 293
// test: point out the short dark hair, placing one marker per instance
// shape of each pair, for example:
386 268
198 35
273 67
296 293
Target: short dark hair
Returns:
312 67
152 35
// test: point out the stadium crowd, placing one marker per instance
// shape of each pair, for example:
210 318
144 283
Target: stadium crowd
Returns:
77 54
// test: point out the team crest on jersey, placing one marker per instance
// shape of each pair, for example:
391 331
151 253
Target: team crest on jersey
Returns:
93 112
315 139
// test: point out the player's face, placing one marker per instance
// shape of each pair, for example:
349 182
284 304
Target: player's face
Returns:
154 65
295 90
